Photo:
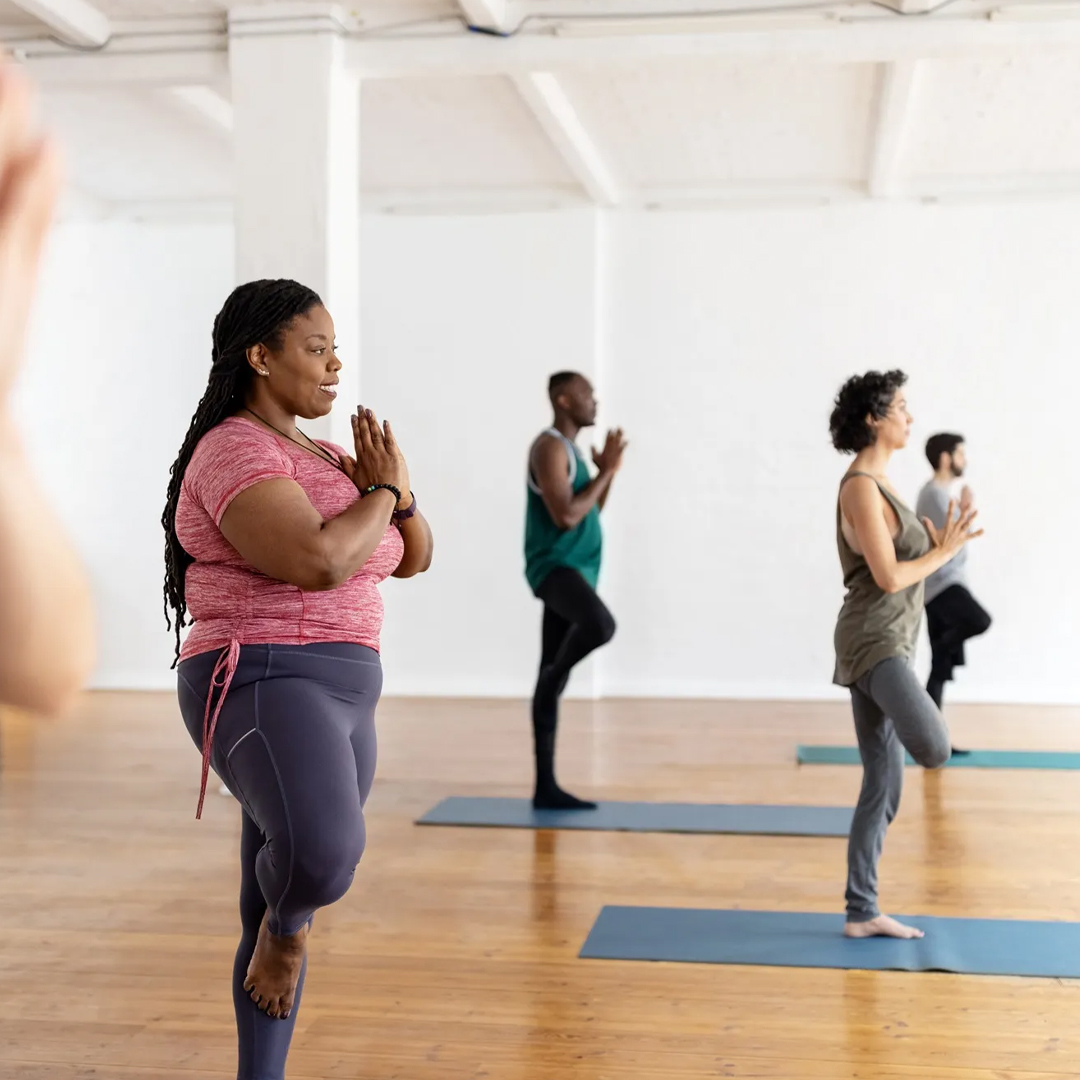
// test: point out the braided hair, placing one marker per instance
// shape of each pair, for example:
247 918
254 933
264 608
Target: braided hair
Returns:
258 313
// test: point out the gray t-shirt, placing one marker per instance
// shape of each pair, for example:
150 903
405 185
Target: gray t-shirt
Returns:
934 504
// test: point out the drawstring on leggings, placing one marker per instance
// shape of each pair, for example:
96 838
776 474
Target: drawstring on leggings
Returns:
224 669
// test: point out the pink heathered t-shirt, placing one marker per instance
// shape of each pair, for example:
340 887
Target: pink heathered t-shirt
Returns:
228 598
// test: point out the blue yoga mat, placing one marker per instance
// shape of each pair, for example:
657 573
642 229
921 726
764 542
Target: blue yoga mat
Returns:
646 817
787 939
973 759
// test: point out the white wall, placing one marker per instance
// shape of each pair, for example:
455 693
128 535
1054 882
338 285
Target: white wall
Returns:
731 332
464 319
463 322
718 341
118 359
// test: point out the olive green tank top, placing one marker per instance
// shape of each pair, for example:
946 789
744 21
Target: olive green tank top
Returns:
875 625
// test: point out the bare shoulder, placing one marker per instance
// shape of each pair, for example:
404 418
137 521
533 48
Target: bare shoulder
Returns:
545 447
858 489
860 497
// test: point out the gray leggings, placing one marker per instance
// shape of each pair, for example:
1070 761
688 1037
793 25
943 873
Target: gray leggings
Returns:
893 713
295 743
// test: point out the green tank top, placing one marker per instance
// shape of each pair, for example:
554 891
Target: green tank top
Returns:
875 625
546 545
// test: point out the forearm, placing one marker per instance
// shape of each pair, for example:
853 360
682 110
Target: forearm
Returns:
588 497
419 546
905 574
346 542
46 609
602 501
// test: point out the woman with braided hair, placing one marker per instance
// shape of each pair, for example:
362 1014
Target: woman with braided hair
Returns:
275 547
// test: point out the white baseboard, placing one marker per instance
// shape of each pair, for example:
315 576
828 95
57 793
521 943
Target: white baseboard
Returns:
705 690
134 680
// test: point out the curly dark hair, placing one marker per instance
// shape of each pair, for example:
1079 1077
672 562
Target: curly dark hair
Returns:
256 313
862 396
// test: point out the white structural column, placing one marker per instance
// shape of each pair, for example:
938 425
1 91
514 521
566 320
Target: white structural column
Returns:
896 99
296 126
555 113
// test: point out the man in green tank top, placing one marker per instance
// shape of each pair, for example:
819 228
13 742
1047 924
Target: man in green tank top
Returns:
563 545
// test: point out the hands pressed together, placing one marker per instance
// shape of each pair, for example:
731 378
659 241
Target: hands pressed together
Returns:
378 459
610 458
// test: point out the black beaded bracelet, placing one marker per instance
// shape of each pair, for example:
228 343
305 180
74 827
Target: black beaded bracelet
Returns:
381 487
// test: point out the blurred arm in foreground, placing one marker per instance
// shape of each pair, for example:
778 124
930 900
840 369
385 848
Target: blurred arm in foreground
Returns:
46 613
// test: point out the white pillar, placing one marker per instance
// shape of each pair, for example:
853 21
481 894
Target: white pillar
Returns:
296 122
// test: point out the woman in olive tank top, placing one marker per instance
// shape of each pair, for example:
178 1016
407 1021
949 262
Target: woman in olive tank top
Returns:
886 553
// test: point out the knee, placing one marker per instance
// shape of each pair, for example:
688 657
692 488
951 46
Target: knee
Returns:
323 868
601 628
983 623
935 754
880 795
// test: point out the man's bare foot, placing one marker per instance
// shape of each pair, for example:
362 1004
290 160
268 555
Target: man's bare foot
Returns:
882 926
274 970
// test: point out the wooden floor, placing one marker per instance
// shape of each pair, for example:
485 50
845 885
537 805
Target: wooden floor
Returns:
454 955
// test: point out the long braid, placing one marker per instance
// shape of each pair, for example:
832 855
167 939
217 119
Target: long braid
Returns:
256 313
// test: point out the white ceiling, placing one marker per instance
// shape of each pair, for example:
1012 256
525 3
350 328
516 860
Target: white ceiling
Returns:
700 128
699 121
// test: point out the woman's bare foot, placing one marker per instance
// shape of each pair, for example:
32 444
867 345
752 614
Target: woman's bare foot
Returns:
274 970
882 926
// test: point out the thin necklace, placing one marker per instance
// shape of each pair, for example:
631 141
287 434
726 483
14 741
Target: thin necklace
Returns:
315 449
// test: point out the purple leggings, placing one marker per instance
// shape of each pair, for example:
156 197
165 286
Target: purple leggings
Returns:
295 743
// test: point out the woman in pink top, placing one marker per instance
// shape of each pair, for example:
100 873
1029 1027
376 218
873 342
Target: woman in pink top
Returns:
275 547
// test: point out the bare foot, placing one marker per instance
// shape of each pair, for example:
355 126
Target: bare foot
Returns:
274 970
882 926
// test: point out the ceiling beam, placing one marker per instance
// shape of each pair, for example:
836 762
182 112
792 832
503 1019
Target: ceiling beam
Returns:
200 57
206 104
74 21
896 101
860 40
145 58
555 113
486 14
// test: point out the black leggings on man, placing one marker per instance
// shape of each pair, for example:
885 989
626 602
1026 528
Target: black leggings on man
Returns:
952 618
295 743
576 622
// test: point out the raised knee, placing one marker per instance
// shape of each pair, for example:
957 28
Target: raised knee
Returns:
323 872
936 755
603 629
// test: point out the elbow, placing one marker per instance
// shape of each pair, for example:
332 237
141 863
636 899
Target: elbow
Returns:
566 521
327 578
888 584
409 569
321 572
51 698
54 693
